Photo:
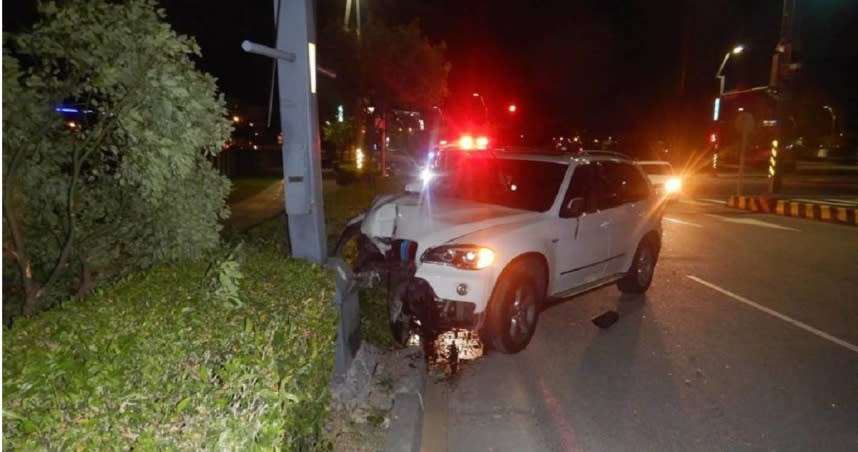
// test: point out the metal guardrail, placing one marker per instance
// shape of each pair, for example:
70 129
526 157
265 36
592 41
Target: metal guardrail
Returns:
348 329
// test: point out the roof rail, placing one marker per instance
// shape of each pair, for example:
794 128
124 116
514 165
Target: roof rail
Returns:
606 153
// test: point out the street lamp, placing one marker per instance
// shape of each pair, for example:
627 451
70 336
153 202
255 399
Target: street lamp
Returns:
833 117
736 50
483 101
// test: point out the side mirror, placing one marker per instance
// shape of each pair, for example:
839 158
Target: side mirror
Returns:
572 208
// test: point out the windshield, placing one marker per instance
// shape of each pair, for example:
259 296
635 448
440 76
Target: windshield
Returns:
656 168
520 184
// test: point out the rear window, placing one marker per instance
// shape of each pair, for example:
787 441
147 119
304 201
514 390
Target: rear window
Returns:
657 169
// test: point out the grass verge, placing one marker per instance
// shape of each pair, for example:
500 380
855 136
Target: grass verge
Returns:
245 188
156 362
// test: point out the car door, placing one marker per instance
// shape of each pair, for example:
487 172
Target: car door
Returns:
584 240
629 212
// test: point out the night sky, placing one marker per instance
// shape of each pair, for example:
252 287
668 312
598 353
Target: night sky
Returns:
607 66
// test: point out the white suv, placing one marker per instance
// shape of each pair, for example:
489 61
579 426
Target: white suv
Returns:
495 233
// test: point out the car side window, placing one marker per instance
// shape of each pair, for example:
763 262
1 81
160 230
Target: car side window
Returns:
580 186
633 186
607 186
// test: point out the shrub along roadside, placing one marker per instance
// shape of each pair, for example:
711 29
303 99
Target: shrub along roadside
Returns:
154 362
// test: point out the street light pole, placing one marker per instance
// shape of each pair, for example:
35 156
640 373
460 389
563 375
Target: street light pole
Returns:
735 51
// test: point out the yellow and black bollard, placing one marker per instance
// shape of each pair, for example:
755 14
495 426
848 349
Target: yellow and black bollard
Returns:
774 169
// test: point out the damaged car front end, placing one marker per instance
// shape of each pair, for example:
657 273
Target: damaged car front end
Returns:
429 290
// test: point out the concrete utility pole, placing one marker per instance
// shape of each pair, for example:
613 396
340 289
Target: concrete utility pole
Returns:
295 54
299 121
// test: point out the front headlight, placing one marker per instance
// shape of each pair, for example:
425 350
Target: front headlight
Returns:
467 257
673 185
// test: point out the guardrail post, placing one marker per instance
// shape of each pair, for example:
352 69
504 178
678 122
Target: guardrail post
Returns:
348 331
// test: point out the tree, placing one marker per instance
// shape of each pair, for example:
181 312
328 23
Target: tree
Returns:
130 184
342 136
401 68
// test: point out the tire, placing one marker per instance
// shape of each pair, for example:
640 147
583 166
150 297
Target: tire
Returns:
513 310
639 276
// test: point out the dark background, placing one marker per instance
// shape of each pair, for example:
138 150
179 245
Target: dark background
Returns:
643 68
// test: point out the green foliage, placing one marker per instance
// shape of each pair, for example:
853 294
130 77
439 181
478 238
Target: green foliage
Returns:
342 135
374 318
131 186
402 67
224 278
152 364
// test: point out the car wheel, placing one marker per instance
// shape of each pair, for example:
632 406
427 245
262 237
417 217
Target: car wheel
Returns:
514 309
639 276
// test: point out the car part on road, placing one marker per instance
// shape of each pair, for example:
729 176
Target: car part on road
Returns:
606 320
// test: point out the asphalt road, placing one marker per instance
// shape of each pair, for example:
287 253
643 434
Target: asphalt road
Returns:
747 340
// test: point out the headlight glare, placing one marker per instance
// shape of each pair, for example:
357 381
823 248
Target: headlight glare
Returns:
467 257
673 185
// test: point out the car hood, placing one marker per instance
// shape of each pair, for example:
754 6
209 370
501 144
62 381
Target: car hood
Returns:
431 222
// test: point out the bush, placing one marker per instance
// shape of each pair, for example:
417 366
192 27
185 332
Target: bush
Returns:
126 182
153 362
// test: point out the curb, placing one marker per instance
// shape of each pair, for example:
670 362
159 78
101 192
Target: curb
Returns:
406 417
788 208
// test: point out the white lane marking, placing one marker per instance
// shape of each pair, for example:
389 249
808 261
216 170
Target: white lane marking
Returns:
695 203
677 221
838 202
777 314
715 201
852 202
752 222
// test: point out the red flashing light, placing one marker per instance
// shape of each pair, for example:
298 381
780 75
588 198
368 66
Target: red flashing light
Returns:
713 138
466 142
512 108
